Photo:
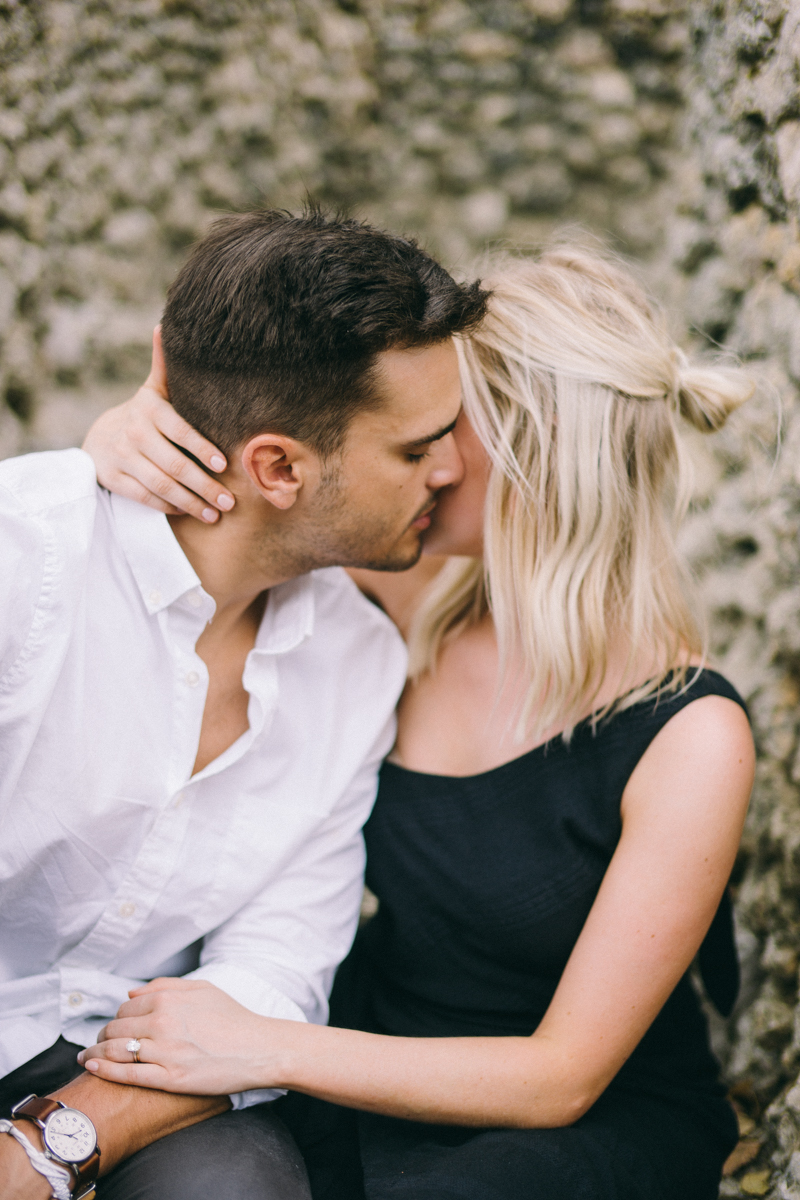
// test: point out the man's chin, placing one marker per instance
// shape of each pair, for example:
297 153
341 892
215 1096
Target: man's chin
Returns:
398 560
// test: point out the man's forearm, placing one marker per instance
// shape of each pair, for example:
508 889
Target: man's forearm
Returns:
126 1119
129 1118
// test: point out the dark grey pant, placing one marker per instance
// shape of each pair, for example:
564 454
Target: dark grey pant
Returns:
247 1155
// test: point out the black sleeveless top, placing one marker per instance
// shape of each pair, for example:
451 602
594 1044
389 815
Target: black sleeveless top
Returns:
485 883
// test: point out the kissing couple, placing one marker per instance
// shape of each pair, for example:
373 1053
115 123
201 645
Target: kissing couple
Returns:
371 548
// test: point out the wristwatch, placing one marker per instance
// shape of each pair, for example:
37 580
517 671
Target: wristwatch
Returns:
70 1139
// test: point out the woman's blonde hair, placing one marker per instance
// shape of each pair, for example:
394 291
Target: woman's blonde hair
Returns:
576 390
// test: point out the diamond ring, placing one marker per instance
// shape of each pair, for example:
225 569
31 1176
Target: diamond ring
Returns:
134 1046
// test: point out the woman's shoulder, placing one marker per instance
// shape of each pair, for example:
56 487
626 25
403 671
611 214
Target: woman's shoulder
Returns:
637 720
670 699
703 741
612 748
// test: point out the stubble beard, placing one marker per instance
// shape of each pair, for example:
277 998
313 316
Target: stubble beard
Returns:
395 562
357 547
348 543
335 537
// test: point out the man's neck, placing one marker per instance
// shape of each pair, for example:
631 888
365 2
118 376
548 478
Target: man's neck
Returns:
229 560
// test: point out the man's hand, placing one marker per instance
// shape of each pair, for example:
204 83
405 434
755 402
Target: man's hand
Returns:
126 1119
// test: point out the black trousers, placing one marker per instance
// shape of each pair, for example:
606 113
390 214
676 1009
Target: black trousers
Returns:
247 1155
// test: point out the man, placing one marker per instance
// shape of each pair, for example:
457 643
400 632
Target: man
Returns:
192 717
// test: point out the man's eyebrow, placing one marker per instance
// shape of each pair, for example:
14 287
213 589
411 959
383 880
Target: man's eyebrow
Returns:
432 437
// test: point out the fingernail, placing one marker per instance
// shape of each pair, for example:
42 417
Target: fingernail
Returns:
92 1064
80 1057
210 515
217 462
225 502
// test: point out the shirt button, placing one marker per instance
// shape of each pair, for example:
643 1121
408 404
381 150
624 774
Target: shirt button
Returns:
179 799
127 909
194 599
75 999
192 678
154 597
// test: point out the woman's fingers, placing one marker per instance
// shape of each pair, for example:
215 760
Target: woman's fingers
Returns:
170 983
169 422
160 995
138 1074
202 1039
125 1028
138 447
147 436
181 481
167 493
125 485
112 1060
115 1049
173 426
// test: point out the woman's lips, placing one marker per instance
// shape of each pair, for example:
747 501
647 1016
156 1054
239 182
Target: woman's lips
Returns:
424 519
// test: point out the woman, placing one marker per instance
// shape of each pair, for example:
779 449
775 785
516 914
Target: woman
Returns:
558 820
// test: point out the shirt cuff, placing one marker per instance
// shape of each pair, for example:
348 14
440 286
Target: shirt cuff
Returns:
260 997
88 1000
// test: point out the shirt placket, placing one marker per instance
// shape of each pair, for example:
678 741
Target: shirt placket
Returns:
139 892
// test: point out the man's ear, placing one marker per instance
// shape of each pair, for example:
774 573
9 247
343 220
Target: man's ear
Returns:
278 467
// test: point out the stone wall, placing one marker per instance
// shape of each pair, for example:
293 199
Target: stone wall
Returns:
732 267
129 124
670 127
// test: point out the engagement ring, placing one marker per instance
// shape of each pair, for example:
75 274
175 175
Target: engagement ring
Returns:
134 1045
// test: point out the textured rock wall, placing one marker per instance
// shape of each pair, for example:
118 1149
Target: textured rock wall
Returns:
732 267
671 127
128 124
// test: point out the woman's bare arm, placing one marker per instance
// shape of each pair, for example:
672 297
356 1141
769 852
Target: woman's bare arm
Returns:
683 812
136 452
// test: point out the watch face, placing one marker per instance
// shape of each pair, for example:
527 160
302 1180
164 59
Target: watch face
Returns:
69 1135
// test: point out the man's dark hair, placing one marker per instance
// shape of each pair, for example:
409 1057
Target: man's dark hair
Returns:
275 321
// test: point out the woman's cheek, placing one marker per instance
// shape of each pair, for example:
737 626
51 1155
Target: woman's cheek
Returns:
456 524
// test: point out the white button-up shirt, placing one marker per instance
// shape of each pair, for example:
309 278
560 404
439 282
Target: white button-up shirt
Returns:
116 863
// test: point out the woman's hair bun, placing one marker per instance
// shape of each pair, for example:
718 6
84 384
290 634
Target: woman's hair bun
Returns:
707 395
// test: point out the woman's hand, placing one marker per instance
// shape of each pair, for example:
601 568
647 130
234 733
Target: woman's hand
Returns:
194 1039
134 452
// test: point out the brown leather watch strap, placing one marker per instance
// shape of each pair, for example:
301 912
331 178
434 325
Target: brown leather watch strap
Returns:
36 1108
87 1170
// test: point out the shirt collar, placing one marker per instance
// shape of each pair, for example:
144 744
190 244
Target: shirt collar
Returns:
289 616
162 571
163 574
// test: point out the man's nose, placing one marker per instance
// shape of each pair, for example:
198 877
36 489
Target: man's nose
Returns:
447 467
